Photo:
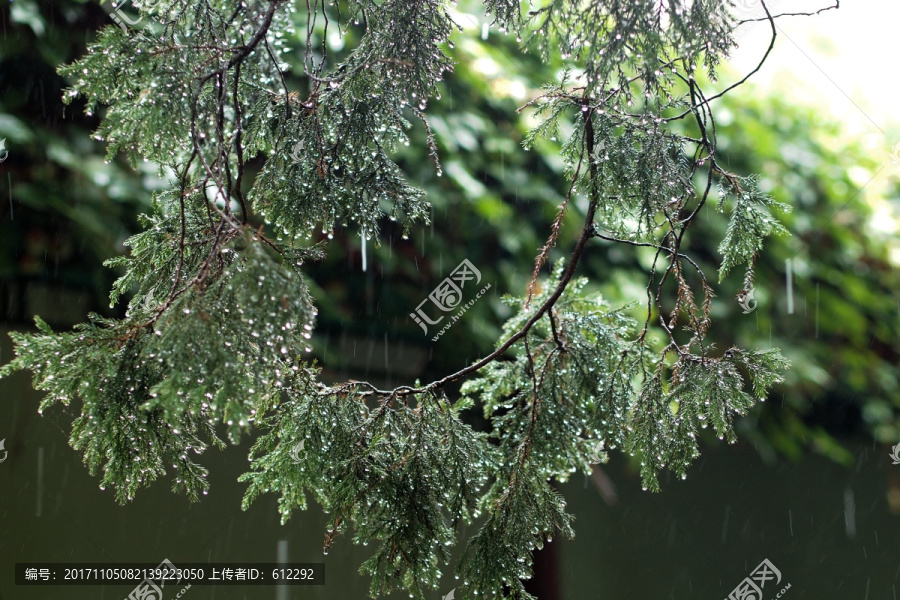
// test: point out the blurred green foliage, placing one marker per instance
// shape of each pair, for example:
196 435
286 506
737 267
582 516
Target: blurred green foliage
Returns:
64 208
842 336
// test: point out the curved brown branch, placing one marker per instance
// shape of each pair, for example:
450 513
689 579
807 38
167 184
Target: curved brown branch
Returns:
586 234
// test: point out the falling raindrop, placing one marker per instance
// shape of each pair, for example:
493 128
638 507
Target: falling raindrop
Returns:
788 272
364 257
40 482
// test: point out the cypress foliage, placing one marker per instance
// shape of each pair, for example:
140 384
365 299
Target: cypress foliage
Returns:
216 330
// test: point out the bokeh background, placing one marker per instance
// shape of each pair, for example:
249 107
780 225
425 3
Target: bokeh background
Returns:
810 484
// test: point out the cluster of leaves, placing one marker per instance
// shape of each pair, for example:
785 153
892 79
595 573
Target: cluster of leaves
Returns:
344 171
751 221
404 473
221 312
151 386
641 174
119 433
586 383
616 41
